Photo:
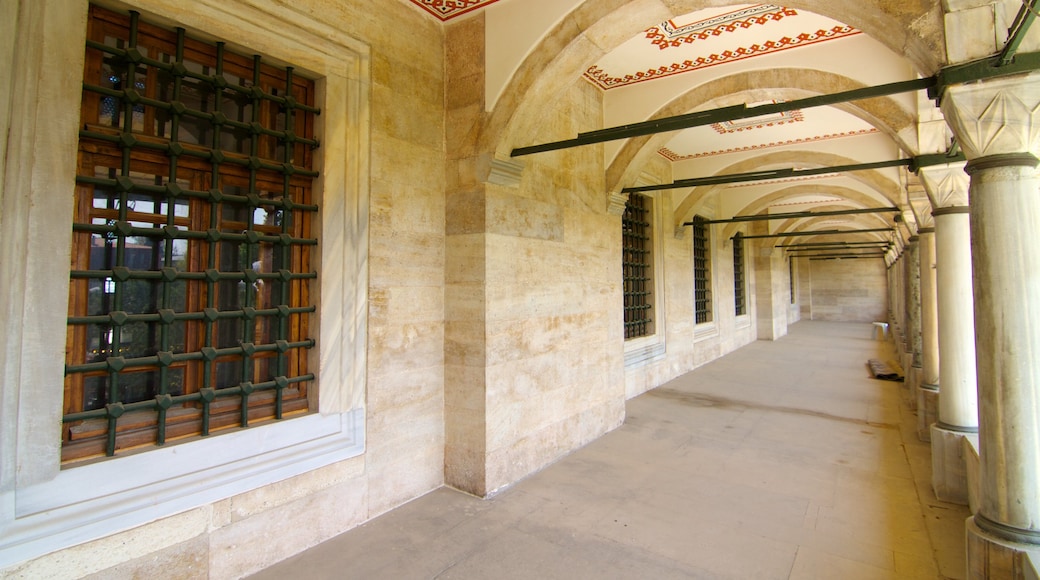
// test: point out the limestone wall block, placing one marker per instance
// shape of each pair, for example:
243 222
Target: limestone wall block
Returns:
251 544
188 560
413 471
417 390
558 299
122 548
464 342
513 215
399 305
464 387
423 172
406 258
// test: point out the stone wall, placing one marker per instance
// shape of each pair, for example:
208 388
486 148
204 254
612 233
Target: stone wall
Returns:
849 290
533 339
402 114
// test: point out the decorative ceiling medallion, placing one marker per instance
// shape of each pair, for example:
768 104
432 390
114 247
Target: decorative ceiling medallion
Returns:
669 35
448 9
727 127
605 81
673 156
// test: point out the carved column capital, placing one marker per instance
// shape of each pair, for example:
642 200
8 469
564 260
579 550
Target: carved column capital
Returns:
995 117
616 202
947 185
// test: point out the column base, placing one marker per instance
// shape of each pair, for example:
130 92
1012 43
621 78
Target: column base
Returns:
949 465
991 557
927 410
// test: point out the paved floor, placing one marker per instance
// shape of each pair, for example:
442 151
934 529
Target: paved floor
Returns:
782 460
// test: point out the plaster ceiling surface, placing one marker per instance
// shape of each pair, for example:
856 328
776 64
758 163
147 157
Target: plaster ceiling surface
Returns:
643 74
711 43
710 38
798 127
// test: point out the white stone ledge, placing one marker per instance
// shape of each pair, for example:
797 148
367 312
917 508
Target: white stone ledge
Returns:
91 501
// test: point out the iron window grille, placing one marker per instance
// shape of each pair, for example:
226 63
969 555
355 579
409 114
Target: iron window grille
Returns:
189 304
637 266
701 271
739 289
790 278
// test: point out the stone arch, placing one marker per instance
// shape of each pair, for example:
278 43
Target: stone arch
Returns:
913 28
850 198
883 113
873 179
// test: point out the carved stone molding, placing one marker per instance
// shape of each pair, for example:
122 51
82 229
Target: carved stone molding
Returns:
995 117
947 185
506 172
616 202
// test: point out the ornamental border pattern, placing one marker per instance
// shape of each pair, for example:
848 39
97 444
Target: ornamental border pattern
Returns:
448 9
667 35
605 81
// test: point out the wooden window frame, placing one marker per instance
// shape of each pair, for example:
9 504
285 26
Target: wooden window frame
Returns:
100 148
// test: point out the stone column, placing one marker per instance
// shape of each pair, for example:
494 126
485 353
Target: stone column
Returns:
928 376
912 347
997 123
958 403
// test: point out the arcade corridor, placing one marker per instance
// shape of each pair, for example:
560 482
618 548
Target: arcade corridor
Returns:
783 459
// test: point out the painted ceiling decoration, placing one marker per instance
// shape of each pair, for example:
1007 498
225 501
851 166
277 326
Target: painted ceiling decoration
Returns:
448 9
605 80
707 38
738 125
673 156
670 35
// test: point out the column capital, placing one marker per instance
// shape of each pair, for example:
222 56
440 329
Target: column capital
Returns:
947 185
922 208
995 117
616 202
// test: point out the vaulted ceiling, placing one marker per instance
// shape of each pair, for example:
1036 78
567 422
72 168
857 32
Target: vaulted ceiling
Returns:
747 54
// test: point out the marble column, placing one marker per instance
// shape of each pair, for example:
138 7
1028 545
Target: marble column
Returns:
912 303
997 123
958 417
928 375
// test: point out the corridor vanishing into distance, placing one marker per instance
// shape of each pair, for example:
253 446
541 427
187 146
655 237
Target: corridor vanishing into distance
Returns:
784 459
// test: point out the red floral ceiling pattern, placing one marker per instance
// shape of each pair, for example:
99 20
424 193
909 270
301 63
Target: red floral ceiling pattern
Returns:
448 9
604 80
738 125
671 35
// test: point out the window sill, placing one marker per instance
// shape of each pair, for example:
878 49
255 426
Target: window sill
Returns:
704 331
89 501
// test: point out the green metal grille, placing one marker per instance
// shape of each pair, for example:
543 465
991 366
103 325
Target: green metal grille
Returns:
739 289
701 271
637 266
189 302
790 278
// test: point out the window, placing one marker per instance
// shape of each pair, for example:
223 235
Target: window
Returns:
790 278
189 304
637 266
739 293
701 271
